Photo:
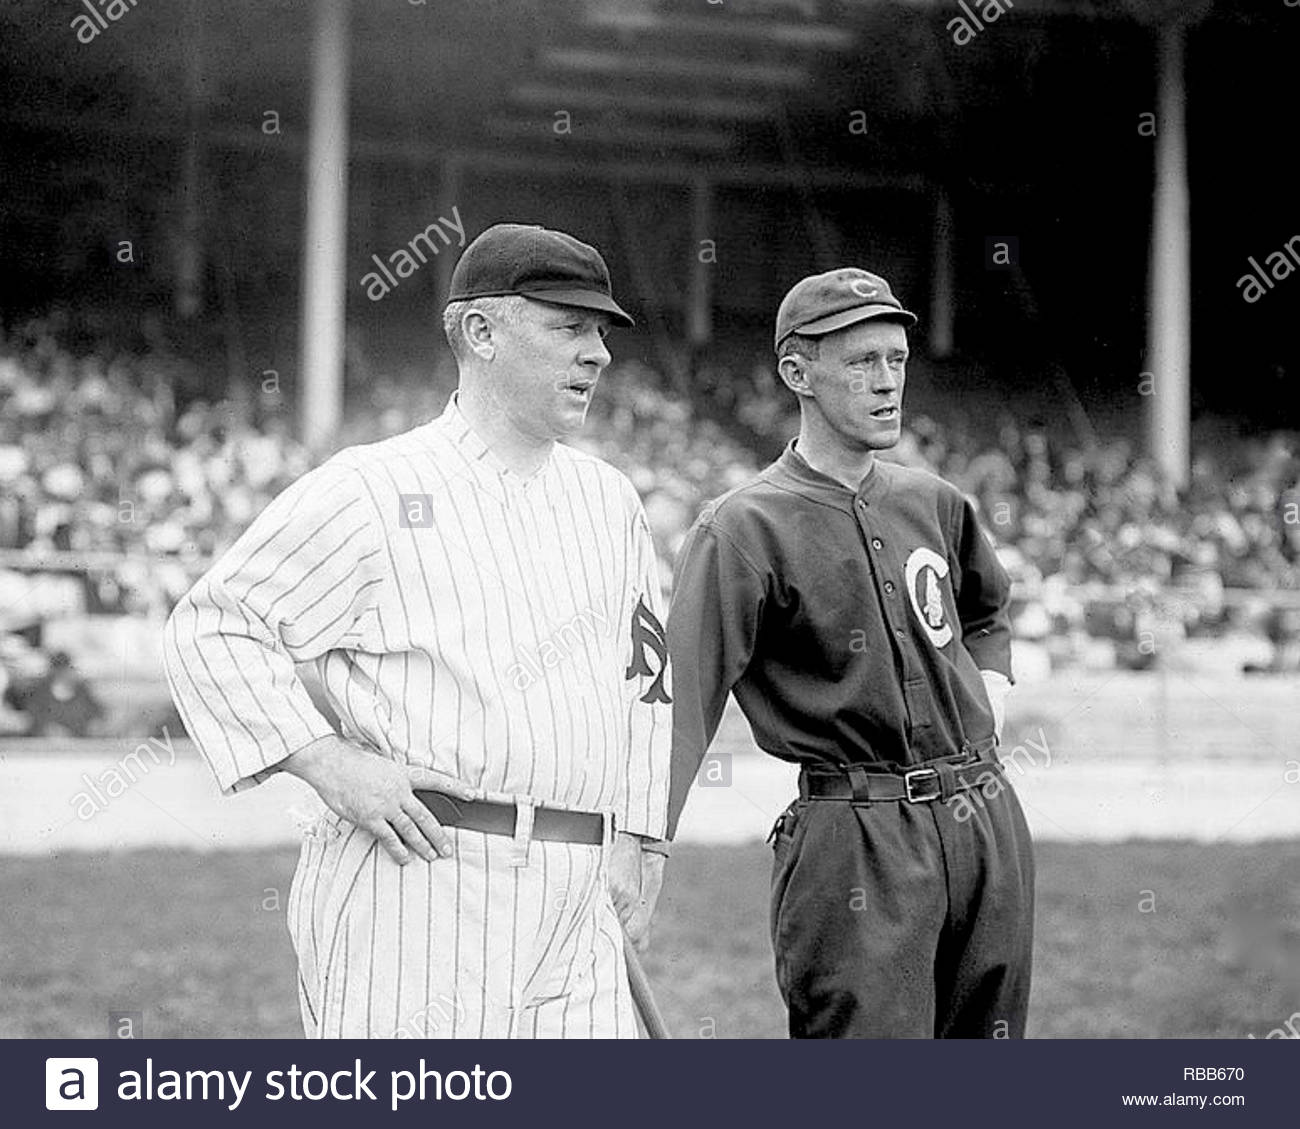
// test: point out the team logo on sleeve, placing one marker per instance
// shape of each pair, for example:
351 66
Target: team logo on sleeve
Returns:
923 571
648 635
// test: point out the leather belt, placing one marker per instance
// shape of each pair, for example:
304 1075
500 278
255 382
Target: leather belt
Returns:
934 780
550 825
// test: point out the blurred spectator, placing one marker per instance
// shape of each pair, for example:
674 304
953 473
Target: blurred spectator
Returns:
56 703
1282 626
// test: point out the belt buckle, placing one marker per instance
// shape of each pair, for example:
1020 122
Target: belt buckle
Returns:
910 780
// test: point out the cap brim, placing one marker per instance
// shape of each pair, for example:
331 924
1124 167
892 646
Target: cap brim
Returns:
584 300
851 317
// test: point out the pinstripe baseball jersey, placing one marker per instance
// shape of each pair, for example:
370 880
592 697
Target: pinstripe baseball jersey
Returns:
501 629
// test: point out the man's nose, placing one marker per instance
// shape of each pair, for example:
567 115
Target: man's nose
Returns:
594 350
885 379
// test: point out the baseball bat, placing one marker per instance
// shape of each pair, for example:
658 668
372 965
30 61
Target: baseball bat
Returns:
651 1018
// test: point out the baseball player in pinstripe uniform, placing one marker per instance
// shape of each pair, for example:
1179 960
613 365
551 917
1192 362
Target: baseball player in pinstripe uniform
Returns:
859 615
481 604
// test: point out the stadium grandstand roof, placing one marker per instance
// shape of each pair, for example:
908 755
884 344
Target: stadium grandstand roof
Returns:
656 90
794 133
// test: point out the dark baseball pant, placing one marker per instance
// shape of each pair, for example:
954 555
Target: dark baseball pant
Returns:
904 920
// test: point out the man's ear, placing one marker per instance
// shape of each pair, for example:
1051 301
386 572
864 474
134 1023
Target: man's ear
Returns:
477 330
794 374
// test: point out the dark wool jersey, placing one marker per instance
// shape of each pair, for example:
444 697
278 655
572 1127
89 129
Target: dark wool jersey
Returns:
851 626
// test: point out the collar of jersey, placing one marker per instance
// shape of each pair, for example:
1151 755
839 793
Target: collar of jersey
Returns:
481 461
801 477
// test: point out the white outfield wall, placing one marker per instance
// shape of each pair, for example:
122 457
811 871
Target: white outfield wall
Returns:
1094 757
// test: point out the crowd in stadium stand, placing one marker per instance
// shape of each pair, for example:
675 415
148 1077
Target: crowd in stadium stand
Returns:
95 456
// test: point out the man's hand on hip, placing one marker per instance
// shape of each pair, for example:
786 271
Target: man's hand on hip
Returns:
378 795
997 685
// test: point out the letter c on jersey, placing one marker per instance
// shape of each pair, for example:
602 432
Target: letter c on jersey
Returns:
923 571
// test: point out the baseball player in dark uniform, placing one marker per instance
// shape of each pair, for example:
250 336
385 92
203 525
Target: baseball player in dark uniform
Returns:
859 615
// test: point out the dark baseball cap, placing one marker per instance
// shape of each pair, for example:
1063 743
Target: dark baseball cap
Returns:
823 303
535 262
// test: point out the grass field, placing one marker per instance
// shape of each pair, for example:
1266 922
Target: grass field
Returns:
1134 940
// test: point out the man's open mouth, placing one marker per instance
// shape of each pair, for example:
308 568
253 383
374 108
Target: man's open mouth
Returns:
889 411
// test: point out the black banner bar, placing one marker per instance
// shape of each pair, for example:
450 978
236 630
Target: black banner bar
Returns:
665 1085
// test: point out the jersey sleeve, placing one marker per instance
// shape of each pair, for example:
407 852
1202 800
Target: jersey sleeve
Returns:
301 581
642 805
984 597
718 597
